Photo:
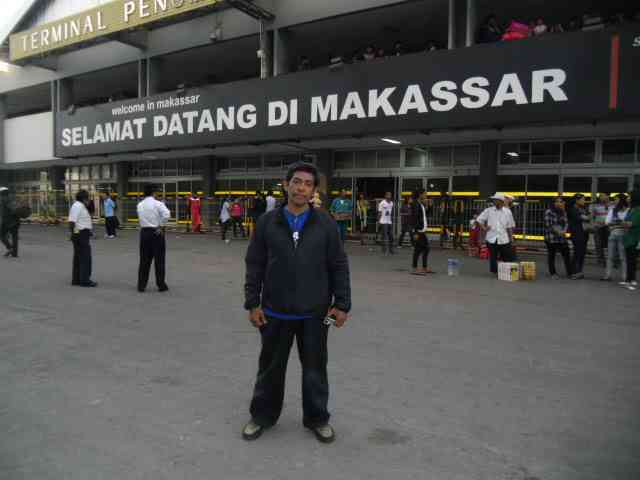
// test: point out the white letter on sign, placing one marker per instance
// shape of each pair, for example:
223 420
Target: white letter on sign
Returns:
129 8
550 81
278 113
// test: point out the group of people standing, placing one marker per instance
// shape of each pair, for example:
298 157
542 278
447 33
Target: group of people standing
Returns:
152 215
616 229
233 213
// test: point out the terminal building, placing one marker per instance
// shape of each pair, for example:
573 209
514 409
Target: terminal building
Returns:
218 97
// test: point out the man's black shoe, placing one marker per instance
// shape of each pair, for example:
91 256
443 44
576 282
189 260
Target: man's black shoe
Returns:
89 284
163 288
324 433
252 431
141 290
8 254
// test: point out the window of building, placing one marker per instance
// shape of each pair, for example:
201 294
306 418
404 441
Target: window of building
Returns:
613 185
222 185
466 156
440 157
290 160
579 151
273 162
254 163
184 167
366 159
438 185
236 185
238 164
542 183
106 171
415 158
171 167
515 153
545 152
619 150
341 183
197 166
84 173
411 185
343 160
95 172
466 183
75 174
156 168
576 185
389 159
254 184
511 183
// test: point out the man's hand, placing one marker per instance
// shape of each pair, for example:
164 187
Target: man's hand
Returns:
341 317
257 318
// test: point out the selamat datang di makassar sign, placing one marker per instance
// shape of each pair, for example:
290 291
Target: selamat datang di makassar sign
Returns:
564 78
106 19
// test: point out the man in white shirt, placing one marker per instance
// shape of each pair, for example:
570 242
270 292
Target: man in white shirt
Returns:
271 201
421 209
81 228
225 217
153 215
385 219
497 222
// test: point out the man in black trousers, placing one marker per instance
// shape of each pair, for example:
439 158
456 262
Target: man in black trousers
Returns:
81 228
152 215
297 273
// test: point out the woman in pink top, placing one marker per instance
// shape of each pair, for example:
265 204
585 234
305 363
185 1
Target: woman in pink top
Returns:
237 215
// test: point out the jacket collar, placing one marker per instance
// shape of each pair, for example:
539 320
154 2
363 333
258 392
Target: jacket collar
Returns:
281 218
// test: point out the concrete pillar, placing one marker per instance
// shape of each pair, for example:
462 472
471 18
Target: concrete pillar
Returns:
209 204
3 115
57 198
266 49
65 94
154 75
122 186
142 78
324 162
282 61
488 168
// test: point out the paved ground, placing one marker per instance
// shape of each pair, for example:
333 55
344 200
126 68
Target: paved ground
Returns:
434 378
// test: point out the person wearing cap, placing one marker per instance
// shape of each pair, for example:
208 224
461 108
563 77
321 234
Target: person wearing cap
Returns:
153 215
497 223
9 223
81 228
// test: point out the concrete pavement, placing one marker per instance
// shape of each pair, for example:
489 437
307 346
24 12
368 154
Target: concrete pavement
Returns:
433 378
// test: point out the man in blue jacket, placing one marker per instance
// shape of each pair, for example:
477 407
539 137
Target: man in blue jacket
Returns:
297 273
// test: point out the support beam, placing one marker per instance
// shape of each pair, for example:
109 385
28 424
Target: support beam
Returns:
266 52
138 39
251 9
471 22
451 43
281 52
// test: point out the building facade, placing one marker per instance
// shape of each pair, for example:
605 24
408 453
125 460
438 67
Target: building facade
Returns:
219 97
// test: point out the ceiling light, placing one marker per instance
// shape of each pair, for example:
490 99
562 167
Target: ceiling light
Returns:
513 154
391 140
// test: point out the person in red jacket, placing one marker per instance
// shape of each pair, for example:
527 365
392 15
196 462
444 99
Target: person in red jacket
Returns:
196 213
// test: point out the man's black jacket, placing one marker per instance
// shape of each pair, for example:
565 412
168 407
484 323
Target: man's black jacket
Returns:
303 280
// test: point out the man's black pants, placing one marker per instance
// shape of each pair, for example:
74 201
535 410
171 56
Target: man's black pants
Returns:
552 250
420 248
110 224
152 250
579 252
81 272
505 251
601 236
12 246
268 395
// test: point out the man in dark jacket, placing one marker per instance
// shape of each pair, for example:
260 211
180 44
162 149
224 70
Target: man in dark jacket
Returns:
9 224
578 216
297 272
